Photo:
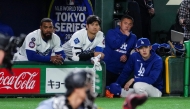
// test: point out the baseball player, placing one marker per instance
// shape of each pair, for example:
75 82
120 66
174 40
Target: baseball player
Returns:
39 44
78 95
118 44
147 67
86 43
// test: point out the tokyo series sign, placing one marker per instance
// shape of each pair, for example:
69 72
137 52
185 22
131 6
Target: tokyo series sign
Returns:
24 81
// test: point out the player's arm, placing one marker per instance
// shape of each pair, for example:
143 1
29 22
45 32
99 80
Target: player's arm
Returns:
57 48
100 47
155 72
112 40
33 56
128 68
30 47
76 42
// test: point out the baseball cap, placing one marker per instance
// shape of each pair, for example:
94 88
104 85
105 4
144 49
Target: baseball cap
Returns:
167 46
155 46
114 88
142 42
93 18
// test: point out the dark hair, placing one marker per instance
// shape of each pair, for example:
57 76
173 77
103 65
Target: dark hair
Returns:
77 79
127 17
93 18
45 20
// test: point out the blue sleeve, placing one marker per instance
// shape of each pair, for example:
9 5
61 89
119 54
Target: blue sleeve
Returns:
33 56
62 54
128 69
99 49
112 39
132 42
135 40
154 73
11 32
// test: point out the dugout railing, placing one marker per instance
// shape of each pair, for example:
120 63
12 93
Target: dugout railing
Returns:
43 79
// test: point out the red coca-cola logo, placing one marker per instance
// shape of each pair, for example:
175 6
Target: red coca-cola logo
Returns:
23 81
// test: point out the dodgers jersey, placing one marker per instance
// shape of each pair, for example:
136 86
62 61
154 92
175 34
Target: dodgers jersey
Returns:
34 42
148 71
80 40
116 45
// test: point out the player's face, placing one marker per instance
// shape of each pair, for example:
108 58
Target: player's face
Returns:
93 28
47 30
145 51
126 24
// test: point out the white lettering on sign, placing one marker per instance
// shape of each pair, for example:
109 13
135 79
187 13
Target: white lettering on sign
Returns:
174 2
22 81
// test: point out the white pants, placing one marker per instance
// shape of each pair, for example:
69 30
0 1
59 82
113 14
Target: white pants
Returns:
142 88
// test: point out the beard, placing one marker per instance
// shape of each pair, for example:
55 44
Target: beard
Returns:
47 36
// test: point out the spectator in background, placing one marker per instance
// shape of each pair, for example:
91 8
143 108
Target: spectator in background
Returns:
39 44
176 26
5 29
147 13
78 94
147 67
118 44
86 43
184 17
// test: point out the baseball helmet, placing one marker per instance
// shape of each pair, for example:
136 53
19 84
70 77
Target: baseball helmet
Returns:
77 79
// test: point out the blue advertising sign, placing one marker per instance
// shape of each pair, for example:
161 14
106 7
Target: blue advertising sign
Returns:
69 16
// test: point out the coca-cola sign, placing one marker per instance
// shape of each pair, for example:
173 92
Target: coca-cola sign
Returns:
23 81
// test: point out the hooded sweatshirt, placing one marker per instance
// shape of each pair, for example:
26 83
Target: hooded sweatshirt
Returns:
116 45
148 71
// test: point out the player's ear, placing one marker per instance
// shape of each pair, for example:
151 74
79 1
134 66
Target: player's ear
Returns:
87 26
150 47
119 23
137 50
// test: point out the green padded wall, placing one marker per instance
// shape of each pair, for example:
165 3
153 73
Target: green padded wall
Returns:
176 75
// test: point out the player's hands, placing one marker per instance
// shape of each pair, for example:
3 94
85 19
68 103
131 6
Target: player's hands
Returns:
128 84
57 59
151 11
126 32
2 55
97 53
123 58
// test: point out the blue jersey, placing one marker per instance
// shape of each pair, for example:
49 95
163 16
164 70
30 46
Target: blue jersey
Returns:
116 45
149 71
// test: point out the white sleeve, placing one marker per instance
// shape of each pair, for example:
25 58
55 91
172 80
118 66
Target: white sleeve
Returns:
57 43
76 40
101 41
30 42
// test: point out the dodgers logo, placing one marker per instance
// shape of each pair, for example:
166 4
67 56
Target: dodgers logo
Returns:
76 41
142 42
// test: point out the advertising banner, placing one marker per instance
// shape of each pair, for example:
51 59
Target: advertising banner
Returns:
69 16
23 81
55 79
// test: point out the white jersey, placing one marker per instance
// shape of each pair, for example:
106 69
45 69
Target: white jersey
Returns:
80 39
34 42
